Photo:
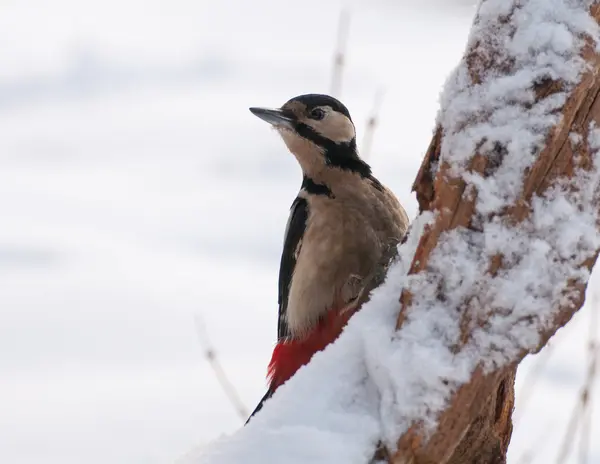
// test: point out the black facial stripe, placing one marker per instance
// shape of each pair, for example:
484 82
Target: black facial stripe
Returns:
304 130
310 186
341 155
347 159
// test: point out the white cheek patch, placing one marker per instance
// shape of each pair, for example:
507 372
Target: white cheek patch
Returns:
335 126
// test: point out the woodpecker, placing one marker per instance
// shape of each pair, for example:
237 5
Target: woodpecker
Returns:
340 225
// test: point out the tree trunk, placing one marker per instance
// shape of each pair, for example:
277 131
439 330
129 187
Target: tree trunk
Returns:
476 425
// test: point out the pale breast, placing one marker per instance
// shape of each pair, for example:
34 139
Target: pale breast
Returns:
343 241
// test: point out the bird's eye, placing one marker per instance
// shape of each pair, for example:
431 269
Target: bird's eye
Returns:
317 114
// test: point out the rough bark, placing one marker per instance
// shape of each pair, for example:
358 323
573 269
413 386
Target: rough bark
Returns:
476 426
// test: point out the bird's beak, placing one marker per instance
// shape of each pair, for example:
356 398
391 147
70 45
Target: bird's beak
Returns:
277 118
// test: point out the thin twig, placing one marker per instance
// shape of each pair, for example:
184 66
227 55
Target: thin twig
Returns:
528 387
529 383
570 432
339 58
211 356
372 122
594 351
584 442
583 403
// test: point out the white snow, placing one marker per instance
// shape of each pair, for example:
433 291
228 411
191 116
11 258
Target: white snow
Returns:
378 382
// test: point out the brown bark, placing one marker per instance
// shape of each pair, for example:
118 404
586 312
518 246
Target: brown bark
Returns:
476 426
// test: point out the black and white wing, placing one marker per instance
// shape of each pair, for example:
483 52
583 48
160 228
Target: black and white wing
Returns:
292 242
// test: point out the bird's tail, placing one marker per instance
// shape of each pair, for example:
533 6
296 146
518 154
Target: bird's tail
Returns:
290 355
261 403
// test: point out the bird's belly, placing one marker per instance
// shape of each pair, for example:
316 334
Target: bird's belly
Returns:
327 275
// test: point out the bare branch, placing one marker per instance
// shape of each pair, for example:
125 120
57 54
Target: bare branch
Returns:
372 122
339 58
582 410
570 432
211 356
594 365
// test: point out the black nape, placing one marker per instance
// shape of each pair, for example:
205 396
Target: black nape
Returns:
345 157
314 100
340 155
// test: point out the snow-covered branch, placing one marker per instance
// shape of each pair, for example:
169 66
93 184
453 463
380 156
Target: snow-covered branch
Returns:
496 262
512 175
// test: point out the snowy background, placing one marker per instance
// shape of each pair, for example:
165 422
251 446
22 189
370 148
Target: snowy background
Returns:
137 190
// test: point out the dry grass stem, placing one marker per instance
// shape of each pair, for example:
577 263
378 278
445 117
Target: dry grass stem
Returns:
211 356
339 58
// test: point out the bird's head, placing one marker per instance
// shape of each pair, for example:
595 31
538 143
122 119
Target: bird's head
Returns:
319 131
